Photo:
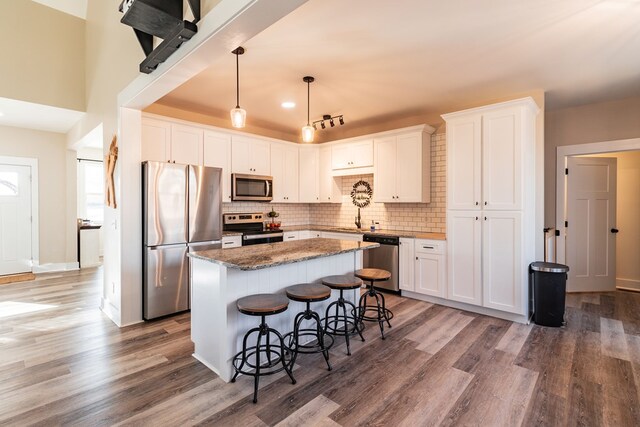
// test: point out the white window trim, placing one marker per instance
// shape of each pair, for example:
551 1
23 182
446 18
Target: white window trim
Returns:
35 236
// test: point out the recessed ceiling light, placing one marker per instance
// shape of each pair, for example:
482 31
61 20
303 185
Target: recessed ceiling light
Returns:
288 104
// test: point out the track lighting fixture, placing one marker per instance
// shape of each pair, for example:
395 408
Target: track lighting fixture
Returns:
330 119
308 130
238 115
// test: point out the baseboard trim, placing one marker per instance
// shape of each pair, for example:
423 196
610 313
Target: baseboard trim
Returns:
518 318
16 278
56 266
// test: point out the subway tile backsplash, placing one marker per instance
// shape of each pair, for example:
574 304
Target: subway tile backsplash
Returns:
425 217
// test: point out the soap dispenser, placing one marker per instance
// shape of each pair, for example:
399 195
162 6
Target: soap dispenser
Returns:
373 226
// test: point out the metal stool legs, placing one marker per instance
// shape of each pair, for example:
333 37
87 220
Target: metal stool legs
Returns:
350 323
382 313
293 338
257 368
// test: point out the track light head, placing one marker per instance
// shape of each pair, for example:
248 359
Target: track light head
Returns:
315 127
331 122
322 125
341 121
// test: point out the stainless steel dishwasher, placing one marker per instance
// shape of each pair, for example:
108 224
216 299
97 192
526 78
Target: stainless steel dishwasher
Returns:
386 257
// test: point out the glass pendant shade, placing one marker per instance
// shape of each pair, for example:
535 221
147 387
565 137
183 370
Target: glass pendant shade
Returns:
238 117
307 133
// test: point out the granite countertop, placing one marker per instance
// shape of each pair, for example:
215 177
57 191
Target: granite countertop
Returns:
382 232
256 257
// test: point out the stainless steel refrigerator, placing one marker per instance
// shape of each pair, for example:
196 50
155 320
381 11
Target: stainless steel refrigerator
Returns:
182 211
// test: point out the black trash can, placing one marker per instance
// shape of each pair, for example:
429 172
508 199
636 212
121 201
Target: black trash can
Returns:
549 283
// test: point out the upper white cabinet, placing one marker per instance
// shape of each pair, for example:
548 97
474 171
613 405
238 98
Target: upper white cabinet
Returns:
309 174
329 185
403 168
350 155
492 169
156 140
284 169
250 156
485 158
186 144
216 152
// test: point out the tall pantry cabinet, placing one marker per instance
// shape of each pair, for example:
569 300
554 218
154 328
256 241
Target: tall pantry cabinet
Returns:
491 190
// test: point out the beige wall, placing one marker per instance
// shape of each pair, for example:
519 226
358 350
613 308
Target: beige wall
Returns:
50 150
599 122
43 51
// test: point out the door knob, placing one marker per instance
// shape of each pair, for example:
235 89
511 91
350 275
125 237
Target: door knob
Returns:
614 230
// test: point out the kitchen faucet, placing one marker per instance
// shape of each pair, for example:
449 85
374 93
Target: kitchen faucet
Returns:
358 220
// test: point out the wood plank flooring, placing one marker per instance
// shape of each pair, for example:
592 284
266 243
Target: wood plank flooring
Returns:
62 362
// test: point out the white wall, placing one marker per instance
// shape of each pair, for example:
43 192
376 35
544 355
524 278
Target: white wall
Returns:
50 149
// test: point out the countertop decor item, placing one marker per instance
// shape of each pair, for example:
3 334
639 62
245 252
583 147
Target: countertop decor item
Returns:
273 215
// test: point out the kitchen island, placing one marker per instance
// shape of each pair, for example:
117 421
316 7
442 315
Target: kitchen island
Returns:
219 277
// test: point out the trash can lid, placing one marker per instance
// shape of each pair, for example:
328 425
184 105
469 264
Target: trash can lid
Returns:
549 267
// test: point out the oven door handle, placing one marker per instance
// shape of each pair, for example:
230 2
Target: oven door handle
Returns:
262 236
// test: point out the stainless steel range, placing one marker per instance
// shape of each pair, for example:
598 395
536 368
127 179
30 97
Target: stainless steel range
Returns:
252 228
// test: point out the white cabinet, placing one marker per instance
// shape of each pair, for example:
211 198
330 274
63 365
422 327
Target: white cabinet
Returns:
231 242
284 169
250 156
170 142
342 236
430 268
156 140
502 264
464 247
186 144
492 164
403 168
406 265
216 152
309 234
349 155
309 175
485 160
329 185
290 235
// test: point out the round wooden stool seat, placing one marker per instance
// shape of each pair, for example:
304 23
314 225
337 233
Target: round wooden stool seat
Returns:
308 292
344 281
373 274
262 304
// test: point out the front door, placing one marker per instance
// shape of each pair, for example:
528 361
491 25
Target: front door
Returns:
15 219
591 216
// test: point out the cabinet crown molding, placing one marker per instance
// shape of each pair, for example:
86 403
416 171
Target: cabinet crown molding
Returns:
527 102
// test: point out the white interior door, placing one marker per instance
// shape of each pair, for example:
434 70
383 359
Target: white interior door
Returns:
15 219
591 215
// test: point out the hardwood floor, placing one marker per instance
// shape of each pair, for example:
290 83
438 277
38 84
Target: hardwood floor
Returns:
62 362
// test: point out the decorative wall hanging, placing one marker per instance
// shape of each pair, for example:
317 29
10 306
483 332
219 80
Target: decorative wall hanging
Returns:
361 194
110 163
162 19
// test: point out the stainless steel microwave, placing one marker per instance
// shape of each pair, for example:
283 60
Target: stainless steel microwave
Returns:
256 188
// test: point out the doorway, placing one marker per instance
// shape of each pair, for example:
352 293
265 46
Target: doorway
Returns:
18 214
600 235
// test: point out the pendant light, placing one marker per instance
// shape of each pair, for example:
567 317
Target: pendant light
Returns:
238 115
307 131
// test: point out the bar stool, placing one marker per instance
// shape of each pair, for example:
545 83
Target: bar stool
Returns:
382 313
346 324
261 305
308 293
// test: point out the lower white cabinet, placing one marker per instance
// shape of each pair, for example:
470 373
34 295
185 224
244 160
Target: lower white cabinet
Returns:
406 265
308 234
430 268
464 263
342 236
290 235
231 241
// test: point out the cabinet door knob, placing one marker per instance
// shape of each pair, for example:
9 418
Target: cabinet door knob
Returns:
476 218
485 218
477 203
485 203
416 258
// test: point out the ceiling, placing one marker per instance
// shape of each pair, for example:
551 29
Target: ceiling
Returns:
37 116
72 7
375 61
